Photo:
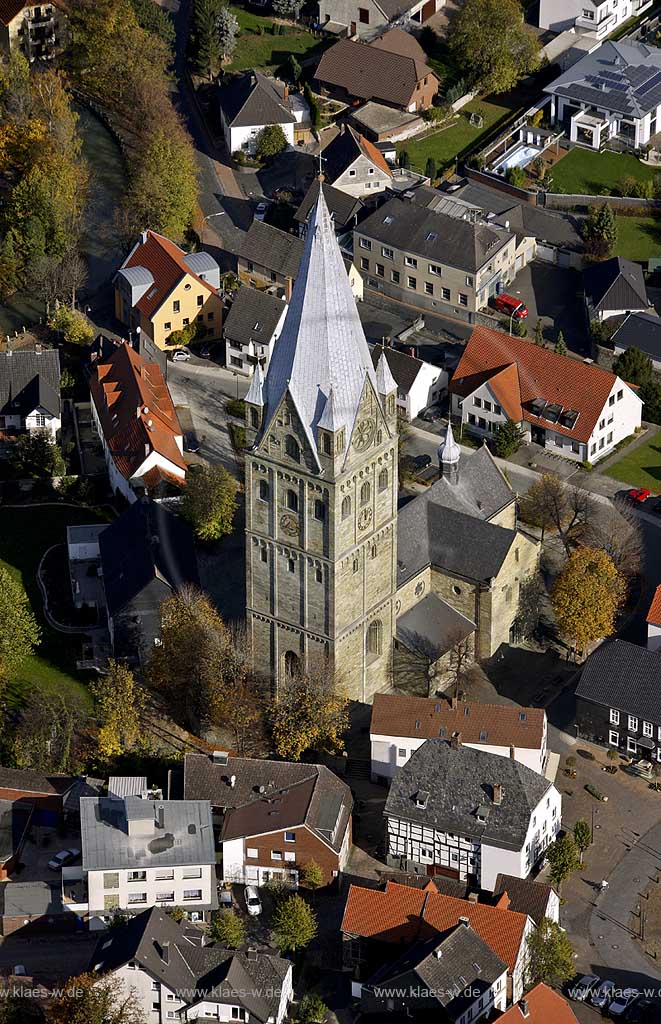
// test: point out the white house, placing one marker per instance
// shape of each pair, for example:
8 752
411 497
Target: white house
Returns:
136 420
251 329
468 813
30 390
401 724
252 101
139 853
175 979
654 622
354 165
574 409
599 17
419 383
614 287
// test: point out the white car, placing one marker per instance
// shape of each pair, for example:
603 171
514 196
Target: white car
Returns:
620 1005
253 902
260 212
602 994
63 858
583 987
182 355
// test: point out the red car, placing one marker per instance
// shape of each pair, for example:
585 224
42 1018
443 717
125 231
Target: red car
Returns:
638 496
510 306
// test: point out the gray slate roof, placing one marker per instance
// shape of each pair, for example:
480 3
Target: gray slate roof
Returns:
407 225
29 380
526 895
615 284
252 100
31 899
624 78
186 838
459 781
621 675
640 330
254 316
404 368
432 626
269 247
342 207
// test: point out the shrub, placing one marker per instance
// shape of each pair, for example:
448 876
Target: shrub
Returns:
236 407
587 465
238 436
516 176
596 793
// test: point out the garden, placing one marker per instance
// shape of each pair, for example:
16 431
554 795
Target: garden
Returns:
638 238
640 467
586 172
266 44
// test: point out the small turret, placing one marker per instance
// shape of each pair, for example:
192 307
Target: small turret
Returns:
387 389
254 403
449 454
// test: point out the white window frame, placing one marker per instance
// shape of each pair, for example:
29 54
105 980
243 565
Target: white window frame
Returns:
632 746
613 738
614 716
632 723
252 852
648 729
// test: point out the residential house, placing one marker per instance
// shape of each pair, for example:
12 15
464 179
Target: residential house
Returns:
139 853
174 978
431 259
610 94
355 71
640 330
575 409
654 622
362 17
468 813
344 208
272 817
401 724
613 288
617 699
269 258
251 102
135 417
38 31
45 793
379 923
419 384
163 290
354 165
600 18
458 546
458 976
251 329
540 1006
30 391
527 896
385 125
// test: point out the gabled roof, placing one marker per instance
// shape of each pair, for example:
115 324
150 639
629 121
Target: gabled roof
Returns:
431 627
166 263
269 247
254 316
640 330
341 206
135 410
524 895
369 72
345 148
542 374
423 718
654 613
396 40
29 380
615 284
624 78
622 675
34 782
404 368
252 100
459 781
540 1006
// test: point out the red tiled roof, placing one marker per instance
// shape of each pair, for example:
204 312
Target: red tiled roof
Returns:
165 262
396 40
401 913
544 1007
135 410
495 357
395 715
373 154
654 614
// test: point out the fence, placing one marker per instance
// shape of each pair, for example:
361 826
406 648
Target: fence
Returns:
495 181
560 201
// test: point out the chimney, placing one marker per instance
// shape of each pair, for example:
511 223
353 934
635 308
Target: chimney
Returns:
455 742
251 953
438 953
523 1006
37 349
285 94
138 411
497 794
472 897
513 752
160 817
165 952
465 921
453 703
147 449
503 902
411 351
342 127
232 781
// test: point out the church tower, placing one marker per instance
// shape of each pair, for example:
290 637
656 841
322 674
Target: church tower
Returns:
321 487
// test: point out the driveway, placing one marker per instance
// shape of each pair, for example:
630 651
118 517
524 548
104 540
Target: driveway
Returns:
205 388
553 294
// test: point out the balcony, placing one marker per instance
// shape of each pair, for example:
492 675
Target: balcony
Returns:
75 898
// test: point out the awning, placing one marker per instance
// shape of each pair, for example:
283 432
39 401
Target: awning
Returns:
645 742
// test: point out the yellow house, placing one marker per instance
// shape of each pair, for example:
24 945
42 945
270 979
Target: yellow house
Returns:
162 290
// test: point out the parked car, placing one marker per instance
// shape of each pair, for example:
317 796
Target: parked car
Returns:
260 212
510 306
621 1004
253 902
581 989
643 1011
602 994
638 495
63 858
191 443
431 415
225 898
182 355
421 462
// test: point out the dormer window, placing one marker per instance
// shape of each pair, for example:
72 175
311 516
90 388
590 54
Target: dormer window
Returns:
421 798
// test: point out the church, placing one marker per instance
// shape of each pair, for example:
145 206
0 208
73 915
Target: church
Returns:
334 582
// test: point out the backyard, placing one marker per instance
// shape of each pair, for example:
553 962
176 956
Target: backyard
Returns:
638 238
640 467
445 144
585 172
258 47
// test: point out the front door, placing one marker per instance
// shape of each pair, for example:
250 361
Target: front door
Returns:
353 28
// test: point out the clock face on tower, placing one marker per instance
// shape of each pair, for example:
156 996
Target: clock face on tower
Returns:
365 518
289 524
363 435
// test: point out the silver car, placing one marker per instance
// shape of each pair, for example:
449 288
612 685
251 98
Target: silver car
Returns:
583 987
253 902
602 994
620 1005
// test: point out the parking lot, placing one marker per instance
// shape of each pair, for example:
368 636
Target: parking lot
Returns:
554 295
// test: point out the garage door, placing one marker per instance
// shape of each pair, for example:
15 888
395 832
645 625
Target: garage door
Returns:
546 253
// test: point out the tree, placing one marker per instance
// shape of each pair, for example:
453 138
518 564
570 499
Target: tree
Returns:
286 8
312 1009
120 704
96 999
17 1008
46 736
294 924
155 20
403 159
9 266
516 176
587 596
613 754
271 141
208 49
37 457
493 45
562 856
313 875
209 501
461 655
600 231
509 438
19 630
519 328
163 189
228 929
582 837
551 957
227 26
634 367
616 530
551 502
526 621
539 334
308 714
74 327
295 69
430 169
560 346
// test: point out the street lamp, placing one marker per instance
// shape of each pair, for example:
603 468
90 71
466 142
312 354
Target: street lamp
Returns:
235 374
221 213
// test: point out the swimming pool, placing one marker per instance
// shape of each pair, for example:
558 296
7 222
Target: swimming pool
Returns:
517 156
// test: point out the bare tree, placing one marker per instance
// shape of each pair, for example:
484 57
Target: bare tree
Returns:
59 280
530 598
460 658
551 502
617 531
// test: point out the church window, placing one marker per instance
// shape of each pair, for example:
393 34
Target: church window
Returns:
254 419
292 501
456 590
326 447
390 405
292 664
319 510
346 507
291 565
263 554
374 641
263 490
356 565
339 441
292 448
383 479
365 493
319 576
373 551
517 555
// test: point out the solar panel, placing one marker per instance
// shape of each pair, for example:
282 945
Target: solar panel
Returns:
654 80
610 74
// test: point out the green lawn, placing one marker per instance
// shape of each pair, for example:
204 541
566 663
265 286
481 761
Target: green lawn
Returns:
267 51
445 145
638 238
641 467
584 172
